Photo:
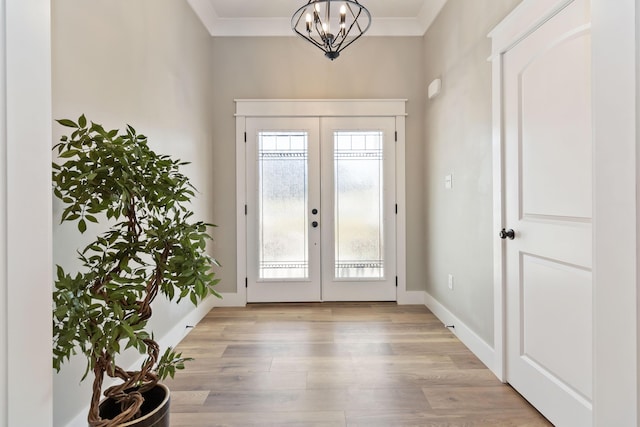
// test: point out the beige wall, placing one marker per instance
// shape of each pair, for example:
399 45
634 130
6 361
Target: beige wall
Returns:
145 63
288 67
459 232
151 64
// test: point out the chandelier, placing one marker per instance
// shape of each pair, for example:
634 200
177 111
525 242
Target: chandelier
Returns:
319 24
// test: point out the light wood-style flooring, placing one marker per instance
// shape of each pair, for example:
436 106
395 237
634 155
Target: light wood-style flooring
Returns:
336 364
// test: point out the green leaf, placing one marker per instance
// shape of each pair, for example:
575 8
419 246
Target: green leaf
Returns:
82 226
69 153
82 121
117 310
91 218
68 123
128 330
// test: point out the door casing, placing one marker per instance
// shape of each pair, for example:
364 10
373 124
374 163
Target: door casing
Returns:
319 108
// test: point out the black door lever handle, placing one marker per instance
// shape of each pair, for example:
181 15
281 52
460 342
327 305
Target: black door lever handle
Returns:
510 234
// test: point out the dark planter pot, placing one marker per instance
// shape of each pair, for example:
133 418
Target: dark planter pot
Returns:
155 409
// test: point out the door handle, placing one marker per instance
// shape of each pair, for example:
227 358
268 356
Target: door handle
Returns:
507 234
314 224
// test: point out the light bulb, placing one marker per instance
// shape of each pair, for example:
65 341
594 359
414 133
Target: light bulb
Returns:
316 12
309 21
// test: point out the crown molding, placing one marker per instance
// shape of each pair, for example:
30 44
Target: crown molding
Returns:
281 27
429 14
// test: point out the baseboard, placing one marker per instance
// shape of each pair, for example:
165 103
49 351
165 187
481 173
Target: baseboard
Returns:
411 297
238 300
173 337
477 345
234 299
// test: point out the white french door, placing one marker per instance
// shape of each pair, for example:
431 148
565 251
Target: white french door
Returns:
358 199
320 209
283 246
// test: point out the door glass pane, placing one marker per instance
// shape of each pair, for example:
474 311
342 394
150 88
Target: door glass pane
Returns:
282 200
359 245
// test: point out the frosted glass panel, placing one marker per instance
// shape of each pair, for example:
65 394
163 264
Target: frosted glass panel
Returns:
282 199
359 245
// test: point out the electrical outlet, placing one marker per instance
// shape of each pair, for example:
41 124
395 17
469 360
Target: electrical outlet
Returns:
450 283
448 182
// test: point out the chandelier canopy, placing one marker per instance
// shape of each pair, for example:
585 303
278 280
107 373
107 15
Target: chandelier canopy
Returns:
331 25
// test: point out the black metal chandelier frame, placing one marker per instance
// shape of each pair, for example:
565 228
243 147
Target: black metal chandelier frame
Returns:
313 22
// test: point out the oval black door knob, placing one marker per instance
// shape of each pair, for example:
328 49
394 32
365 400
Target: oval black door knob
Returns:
314 211
507 234
314 224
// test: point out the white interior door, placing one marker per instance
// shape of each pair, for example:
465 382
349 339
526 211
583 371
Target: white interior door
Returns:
321 209
548 190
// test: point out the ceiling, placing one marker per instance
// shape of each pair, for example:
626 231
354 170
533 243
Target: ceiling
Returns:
273 17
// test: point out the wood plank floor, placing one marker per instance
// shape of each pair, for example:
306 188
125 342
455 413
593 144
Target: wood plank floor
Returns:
336 364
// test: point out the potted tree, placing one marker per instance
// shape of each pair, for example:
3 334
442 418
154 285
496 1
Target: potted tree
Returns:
152 246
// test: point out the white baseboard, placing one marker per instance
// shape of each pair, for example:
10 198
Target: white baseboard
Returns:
172 337
411 297
239 300
477 345
231 300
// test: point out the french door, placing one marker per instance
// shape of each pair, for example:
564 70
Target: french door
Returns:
320 212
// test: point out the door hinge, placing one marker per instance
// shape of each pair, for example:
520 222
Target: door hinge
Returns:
396 209
245 210
246 282
245 137
396 281
396 136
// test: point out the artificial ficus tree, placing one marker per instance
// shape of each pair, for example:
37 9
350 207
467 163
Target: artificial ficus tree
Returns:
152 246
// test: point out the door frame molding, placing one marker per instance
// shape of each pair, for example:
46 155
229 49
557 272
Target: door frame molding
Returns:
526 18
250 108
26 236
